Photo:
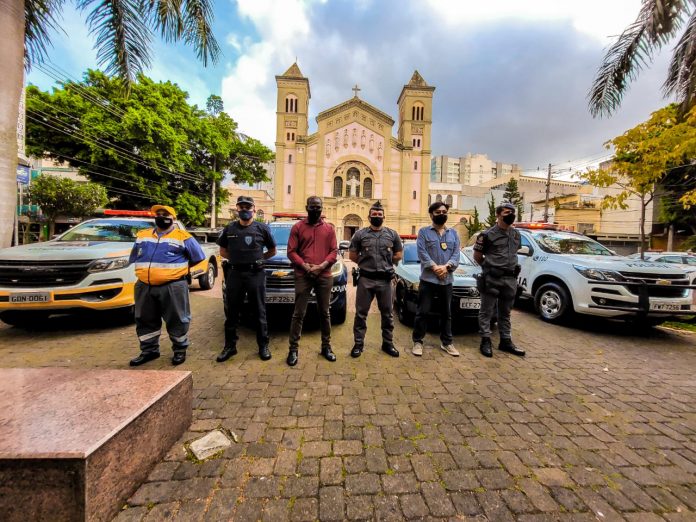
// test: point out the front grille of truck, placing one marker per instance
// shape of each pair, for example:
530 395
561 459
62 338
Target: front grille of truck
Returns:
37 274
656 290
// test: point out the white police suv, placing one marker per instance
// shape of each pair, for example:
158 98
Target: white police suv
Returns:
566 272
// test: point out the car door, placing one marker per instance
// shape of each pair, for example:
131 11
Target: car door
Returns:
526 264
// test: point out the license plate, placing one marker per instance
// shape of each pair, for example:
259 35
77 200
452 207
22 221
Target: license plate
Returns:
665 307
33 297
280 299
469 304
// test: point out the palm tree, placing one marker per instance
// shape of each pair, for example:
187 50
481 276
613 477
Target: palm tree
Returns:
123 30
658 22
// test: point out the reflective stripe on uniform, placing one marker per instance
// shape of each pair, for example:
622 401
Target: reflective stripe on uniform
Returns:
169 266
178 339
147 336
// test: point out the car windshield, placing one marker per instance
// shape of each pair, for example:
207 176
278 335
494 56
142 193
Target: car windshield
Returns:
116 230
565 243
411 256
281 235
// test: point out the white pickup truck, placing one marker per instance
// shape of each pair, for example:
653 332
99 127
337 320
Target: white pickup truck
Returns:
86 268
566 272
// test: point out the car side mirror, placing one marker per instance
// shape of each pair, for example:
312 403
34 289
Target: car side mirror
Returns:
524 251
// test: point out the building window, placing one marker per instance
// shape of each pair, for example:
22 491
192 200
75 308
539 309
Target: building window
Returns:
415 165
289 158
291 103
417 112
289 188
288 136
367 188
293 136
338 187
413 230
430 199
448 200
260 214
438 198
414 194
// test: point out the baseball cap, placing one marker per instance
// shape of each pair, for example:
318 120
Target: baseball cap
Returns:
171 211
245 199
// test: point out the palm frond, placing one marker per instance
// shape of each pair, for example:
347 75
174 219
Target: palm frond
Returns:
657 22
198 17
122 35
40 19
167 17
681 76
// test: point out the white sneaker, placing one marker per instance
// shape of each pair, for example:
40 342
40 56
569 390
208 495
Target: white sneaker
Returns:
450 349
418 349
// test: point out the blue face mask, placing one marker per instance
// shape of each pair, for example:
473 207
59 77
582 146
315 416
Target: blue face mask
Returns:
245 215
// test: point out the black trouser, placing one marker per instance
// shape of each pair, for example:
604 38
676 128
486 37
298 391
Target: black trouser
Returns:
170 302
369 289
501 298
426 293
304 284
237 285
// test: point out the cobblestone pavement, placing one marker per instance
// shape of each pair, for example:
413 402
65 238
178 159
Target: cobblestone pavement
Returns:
596 423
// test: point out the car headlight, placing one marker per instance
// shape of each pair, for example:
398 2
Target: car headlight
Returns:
113 263
598 275
336 269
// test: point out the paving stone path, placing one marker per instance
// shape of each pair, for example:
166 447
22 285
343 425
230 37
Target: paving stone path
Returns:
597 423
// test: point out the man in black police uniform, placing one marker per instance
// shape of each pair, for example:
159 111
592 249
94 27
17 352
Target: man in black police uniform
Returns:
376 249
496 251
242 243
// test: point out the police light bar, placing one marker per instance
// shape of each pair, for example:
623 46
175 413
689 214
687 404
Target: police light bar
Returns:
541 226
128 213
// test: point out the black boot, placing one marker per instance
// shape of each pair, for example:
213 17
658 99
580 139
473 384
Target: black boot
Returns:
486 347
143 358
292 358
506 345
328 353
390 350
265 352
179 358
356 351
227 352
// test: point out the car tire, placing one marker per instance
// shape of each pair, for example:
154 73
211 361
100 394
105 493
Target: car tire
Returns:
553 303
405 317
207 280
24 319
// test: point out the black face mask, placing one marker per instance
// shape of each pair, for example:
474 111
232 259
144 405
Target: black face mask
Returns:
509 219
245 215
440 219
313 215
376 221
163 222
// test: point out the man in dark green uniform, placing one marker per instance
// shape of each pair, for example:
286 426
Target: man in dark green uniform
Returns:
376 249
242 243
496 251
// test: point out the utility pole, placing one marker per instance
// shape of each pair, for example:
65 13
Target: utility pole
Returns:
213 208
548 189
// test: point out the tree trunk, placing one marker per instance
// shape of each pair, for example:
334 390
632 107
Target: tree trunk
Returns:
670 238
642 227
11 85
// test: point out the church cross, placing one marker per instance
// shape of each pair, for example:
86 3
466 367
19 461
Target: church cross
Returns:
356 89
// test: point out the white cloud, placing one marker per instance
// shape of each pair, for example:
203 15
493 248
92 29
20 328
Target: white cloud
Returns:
598 18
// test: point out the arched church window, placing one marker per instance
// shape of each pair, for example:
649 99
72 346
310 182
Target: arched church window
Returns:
448 200
291 103
338 187
367 188
430 199
417 112
414 194
438 197
290 158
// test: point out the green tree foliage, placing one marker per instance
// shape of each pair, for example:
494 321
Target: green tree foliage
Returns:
65 197
491 219
657 23
643 156
512 194
474 225
149 147
214 105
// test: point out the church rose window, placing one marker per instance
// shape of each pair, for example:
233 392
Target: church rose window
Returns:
367 189
338 187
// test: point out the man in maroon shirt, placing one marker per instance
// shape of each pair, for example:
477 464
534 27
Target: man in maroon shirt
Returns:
312 250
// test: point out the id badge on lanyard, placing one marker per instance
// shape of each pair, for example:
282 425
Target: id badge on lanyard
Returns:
443 244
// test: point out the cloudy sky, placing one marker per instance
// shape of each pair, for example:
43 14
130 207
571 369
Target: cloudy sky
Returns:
511 76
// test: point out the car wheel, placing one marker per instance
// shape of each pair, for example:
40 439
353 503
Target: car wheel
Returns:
24 319
405 317
207 281
553 303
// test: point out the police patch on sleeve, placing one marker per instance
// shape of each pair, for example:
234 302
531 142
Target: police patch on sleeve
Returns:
480 242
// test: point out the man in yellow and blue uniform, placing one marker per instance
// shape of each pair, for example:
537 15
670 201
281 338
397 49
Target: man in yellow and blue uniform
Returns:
162 257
